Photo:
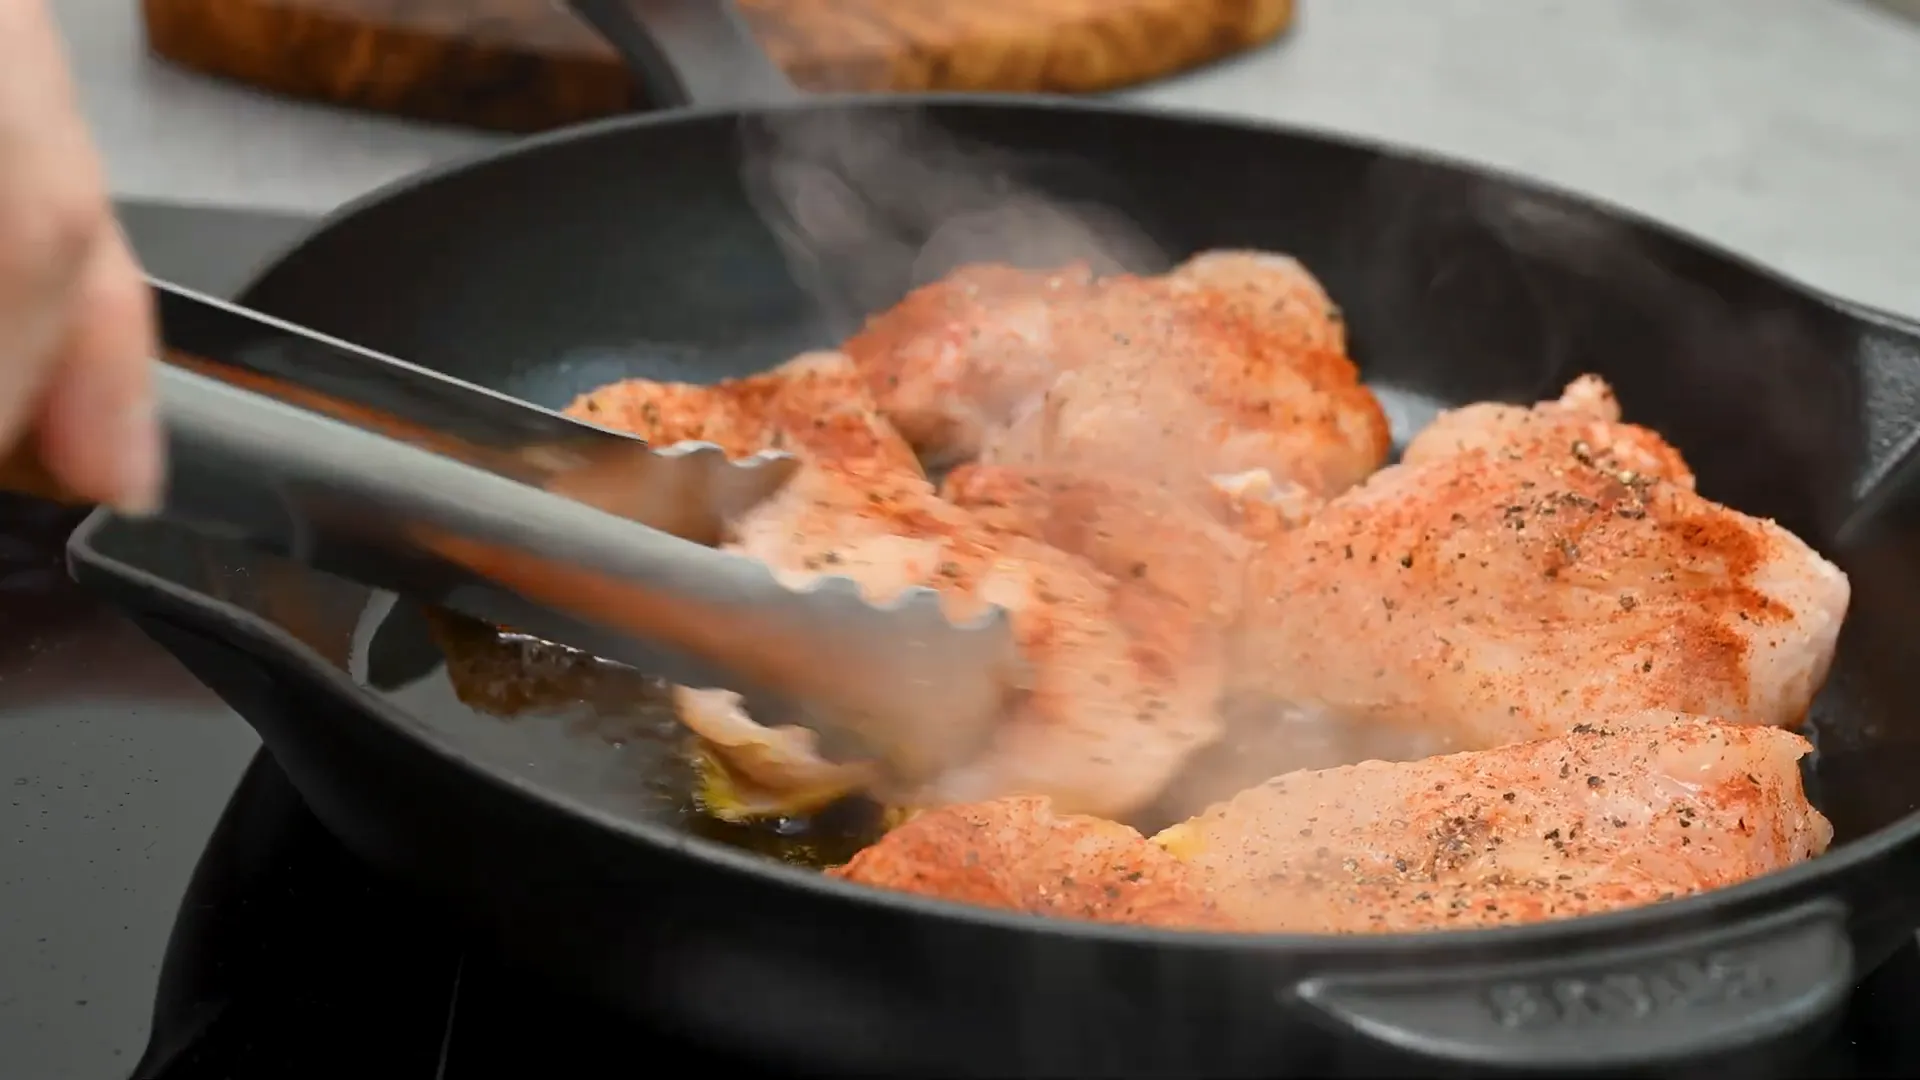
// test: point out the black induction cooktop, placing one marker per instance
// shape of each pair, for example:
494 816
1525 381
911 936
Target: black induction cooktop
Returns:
170 910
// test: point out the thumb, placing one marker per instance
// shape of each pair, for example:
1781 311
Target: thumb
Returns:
98 431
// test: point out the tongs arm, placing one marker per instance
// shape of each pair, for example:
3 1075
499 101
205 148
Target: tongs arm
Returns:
402 479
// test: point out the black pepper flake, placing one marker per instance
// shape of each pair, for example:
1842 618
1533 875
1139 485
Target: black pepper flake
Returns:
1593 781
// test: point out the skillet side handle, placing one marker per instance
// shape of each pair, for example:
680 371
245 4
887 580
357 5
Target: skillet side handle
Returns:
1753 986
688 53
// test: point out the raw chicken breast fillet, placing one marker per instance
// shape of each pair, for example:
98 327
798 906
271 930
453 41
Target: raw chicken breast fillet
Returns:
1648 808
1521 571
1019 855
1126 674
1234 362
1645 808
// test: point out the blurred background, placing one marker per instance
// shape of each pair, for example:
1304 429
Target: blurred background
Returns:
1783 128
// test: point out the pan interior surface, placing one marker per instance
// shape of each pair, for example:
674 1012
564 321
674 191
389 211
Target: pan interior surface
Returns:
644 250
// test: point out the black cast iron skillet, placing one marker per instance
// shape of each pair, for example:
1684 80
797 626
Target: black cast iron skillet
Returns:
665 245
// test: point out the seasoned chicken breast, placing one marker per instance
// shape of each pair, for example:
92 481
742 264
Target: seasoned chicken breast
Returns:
951 362
1125 678
1019 855
1644 808
1566 676
1586 412
1524 569
1137 532
1125 675
1177 380
1234 362
814 406
1648 808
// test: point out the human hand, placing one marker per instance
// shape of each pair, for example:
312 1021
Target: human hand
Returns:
76 317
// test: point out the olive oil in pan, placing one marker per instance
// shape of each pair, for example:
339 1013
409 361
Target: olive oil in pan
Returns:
570 722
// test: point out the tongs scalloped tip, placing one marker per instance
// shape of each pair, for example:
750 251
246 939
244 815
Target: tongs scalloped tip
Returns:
940 683
771 470
700 447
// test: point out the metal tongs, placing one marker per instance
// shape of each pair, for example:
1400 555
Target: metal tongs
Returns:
404 479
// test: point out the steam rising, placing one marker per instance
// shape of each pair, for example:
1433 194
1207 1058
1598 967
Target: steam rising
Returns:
1463 287
867 206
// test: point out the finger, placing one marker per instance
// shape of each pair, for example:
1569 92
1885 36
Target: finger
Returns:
52 206
97 428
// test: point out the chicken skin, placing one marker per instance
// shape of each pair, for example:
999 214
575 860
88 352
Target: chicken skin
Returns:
1233 362
1524 569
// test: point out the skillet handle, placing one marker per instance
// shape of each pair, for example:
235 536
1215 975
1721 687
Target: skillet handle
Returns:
1690 1000
688 53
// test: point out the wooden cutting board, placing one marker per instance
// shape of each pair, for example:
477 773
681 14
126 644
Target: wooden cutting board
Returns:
525 65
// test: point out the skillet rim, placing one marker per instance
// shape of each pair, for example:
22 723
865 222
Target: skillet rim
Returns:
1652 919
957 101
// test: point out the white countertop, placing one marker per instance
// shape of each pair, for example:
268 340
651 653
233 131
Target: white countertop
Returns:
1786 129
